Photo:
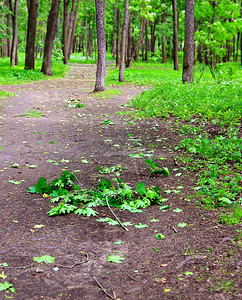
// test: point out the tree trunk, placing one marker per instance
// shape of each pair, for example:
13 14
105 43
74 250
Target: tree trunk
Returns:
65 30
113 34
175 35
237 46
146 41
14 53
125 25
50 37
101 44
31 33
129 46
153 37
72 33
199 53
118 38
187 75
164 57
139 41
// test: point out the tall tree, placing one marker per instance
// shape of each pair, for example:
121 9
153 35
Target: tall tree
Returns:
125 25
14 47
101 44
175 35
31 33
50 37
118 38
187 75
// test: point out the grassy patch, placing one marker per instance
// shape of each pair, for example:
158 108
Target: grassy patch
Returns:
212 101
5 94
19 75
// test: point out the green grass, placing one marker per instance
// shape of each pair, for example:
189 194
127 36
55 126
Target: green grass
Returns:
78 58
213 100
5 94
18 75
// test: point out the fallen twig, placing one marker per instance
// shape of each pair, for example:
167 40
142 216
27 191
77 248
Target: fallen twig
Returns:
76 263
103 289
120 223
188 259
130 276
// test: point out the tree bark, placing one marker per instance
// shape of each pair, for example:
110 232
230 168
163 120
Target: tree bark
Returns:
125 25
129 46
139 41
113 34
73 30
118 38
153 37
146 41
31 34
164 57
65 30
187 75
101 44
14 53
50 37
175 35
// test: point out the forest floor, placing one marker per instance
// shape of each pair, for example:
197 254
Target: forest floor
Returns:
41 135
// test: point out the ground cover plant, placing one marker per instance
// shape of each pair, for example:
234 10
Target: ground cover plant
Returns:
214 99
18 74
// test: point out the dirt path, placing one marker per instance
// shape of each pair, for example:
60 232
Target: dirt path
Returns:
198 261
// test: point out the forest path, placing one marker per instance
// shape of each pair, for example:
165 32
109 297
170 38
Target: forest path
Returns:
42 135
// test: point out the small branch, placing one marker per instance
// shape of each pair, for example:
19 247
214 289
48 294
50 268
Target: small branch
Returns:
102 288
23 267
188 259
131 276
120 223
76 263
174 229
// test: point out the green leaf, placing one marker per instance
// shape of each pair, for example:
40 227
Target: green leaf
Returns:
164 207
87 211
5 286
187 273
154 220
141 188
46 259
141 225
118 243
177 210
160 236
182 225
115 259
156 250
127 224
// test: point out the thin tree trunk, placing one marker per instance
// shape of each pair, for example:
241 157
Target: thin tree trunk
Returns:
118 38
50 37
73 30
129 46
164 57
101 43
113 34
125 25
175 35
237 46
65 30
146 41
187 75
139 41
153 37
14 53
31 33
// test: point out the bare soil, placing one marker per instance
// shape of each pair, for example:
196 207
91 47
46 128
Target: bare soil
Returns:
152 269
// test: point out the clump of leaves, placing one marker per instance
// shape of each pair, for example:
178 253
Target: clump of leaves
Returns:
156 169
45 259
72 198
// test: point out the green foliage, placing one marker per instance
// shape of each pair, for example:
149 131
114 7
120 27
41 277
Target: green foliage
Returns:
7 286
232 217
115 259
155 169
45 259
19 75
72 198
